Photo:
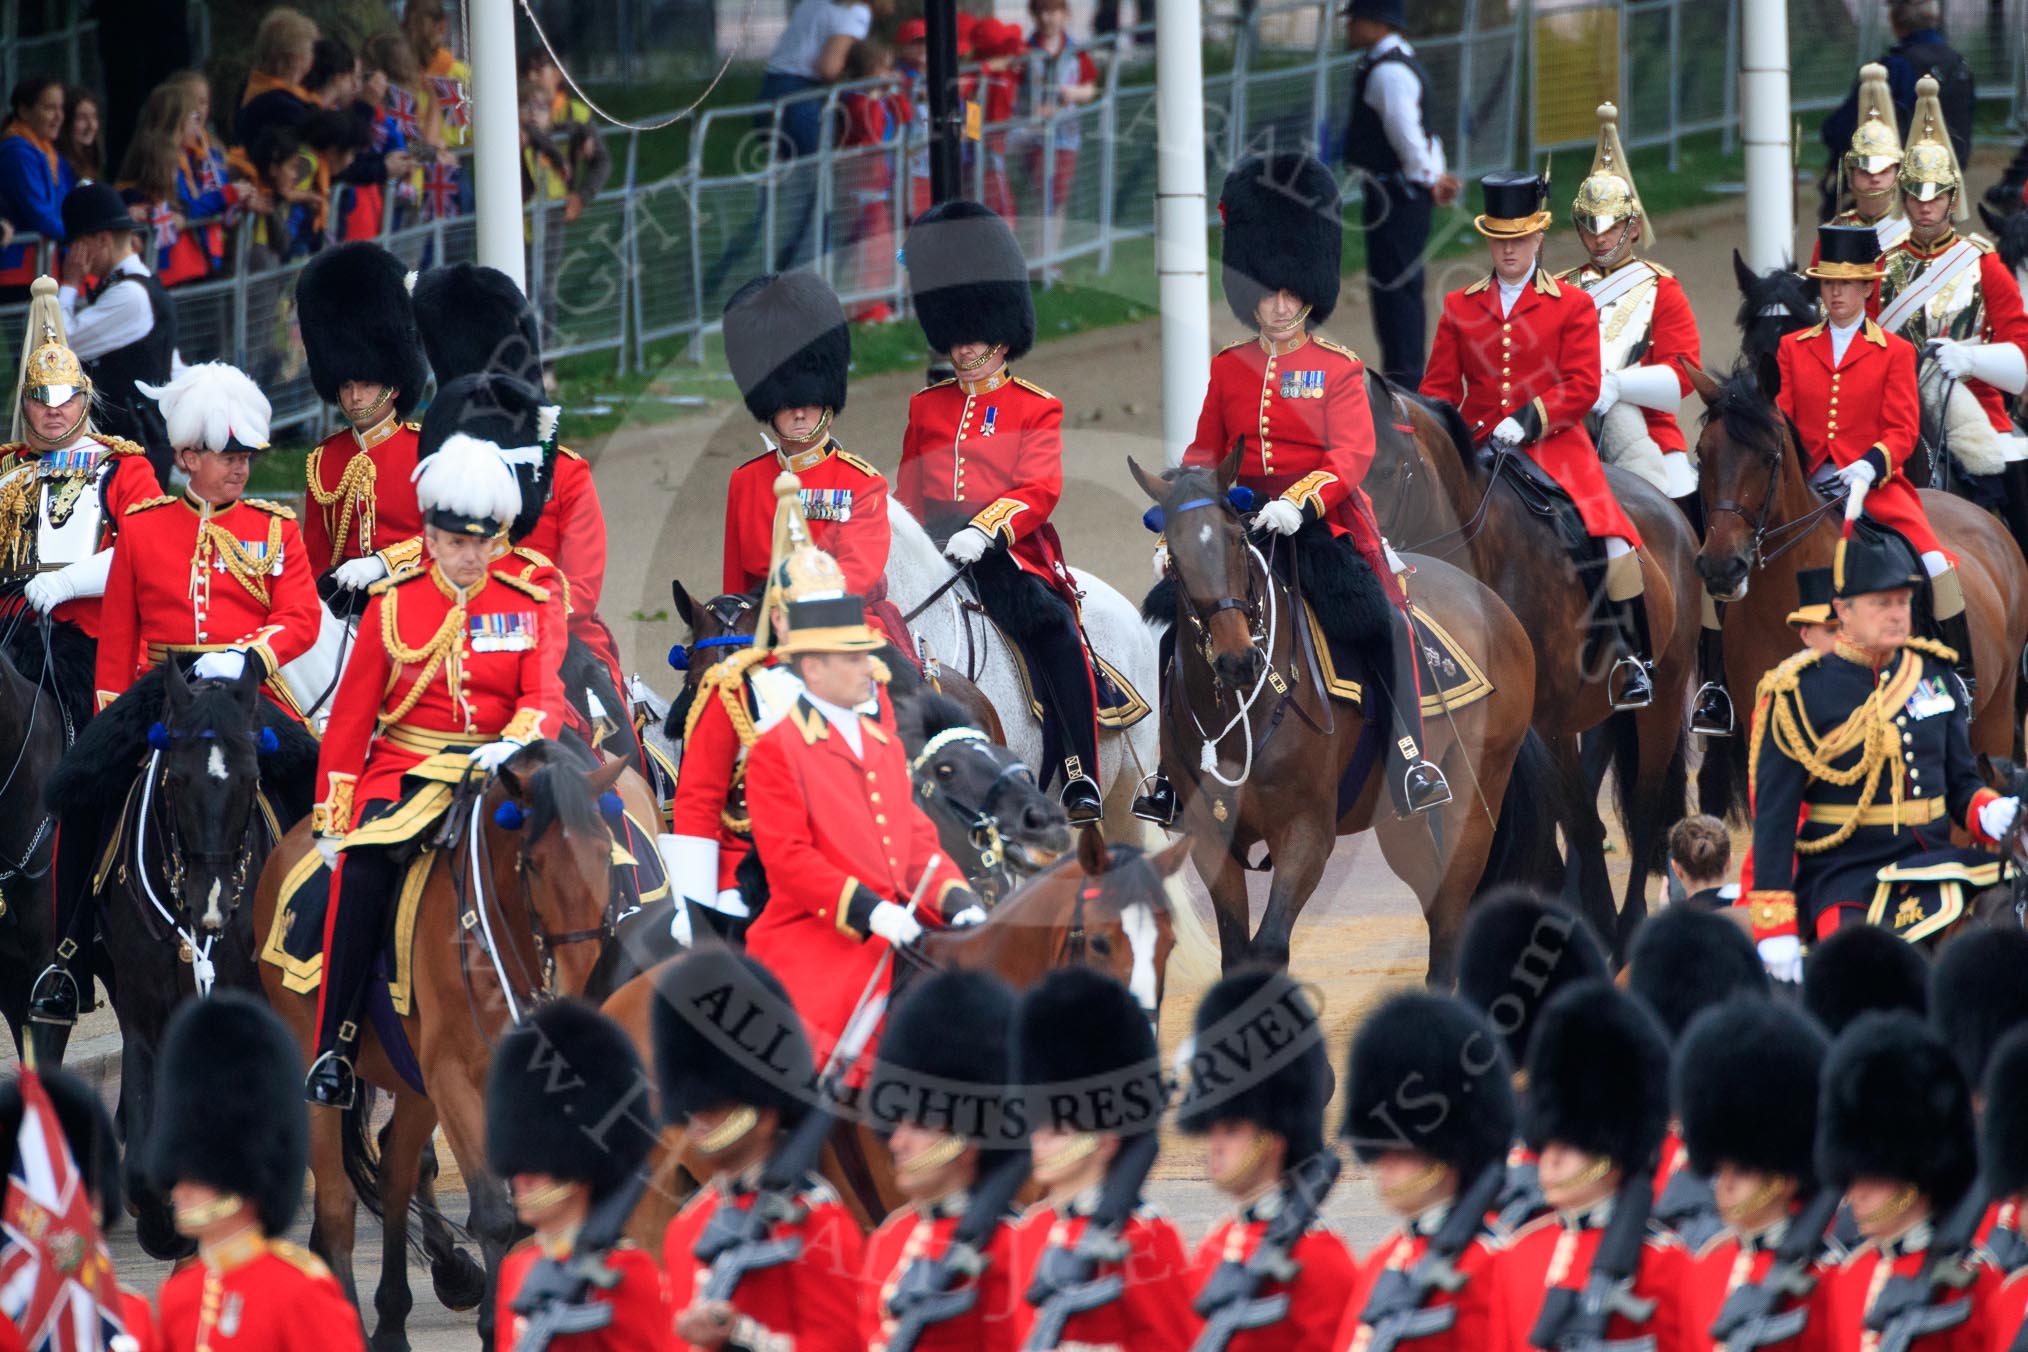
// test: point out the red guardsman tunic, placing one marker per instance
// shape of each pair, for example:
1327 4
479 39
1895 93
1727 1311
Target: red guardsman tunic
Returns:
808 1304
913 1233
1731 1261
1857 1282
710 799
2006 317
1863 408
1316 1296
2010 1309
1543 357
1475 1325
571 533
187 581
1672 340
118 475
1153 1312
251 1294
640 1319
1555 1251
362 495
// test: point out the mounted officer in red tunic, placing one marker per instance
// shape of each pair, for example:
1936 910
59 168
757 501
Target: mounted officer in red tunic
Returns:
982 469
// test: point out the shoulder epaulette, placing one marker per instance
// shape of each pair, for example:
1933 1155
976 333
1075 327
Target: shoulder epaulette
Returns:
938 384
534 590
535 556
298 1258
413 426
390 583
1660 271
1784 675
862 466
119 445
1931 648
881 674
1338 348
1243 342
815 1193
271 507
1031 386
1476 287
566 453
727 680
1522 1231
146 503
1980 242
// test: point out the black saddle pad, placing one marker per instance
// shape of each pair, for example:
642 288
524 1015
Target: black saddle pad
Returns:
1545 497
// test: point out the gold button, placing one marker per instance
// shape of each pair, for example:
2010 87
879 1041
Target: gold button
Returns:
961 436
1506 370
1506 328
821 913
880 819
875 796
1506 385
1914 774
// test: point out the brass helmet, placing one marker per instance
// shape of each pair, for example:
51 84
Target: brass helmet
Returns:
1876 140
797 569
1929 166
1608 195
50 373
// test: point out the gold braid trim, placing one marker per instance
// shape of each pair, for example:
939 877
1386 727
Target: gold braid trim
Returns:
442 649
1869 729
533 590
249 572
18 493
537 559
727 680
353 497
1930 646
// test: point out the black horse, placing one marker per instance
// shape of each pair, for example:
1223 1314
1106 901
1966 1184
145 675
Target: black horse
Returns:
35 731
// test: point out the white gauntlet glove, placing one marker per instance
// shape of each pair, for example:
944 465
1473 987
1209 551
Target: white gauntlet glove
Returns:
327 847
2000 365
1280 516
893 923
219 666
359 574
86 577
1608 392
1161 560
493 755
1782 955
1996 818
967 546
1653 387
970 916
1509 434
1857 478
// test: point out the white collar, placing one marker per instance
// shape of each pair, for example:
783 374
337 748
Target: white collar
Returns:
131 264
1847 330
1393 42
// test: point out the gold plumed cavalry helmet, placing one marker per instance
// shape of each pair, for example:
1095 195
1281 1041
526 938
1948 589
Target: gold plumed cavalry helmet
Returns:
50 372
1607 195
1876 140
1929 166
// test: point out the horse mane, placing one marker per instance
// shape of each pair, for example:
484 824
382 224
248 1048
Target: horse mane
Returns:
931 714
557 792
1782 284
1748 415
1453 422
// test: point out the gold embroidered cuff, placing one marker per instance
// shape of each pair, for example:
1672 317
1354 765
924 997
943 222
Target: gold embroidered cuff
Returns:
1308 491
1771 910
843 920
402 555
333 816
998 518
107 697
525 726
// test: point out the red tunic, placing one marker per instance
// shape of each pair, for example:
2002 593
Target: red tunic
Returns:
1554 1253
710 798
2006 316
844 500
375 499
1857 1282
640 1320
812 1300
1494 366
1726 1264
909 1234
2010 1310
826 822
124 477
139 1317
1153 1312
571 533
1672 340
259 1295
1475 1325
180 582
1316 1296
1864 407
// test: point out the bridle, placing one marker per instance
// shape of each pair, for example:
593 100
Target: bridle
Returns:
1199 614
982 827
196 945
1787 534
1075 948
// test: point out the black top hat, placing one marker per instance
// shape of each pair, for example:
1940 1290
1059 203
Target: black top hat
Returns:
944 1061
90 208
1866 564
1284 1093
1085 1056
1813 597
726 1033
1745 1087
566 1096
352 304
1857 968
788 344
475 319
1894 1105
1978 993
1515 204
1846 253
1419 1042
1519 950
1598 1077
968 279
1685 960
1284 231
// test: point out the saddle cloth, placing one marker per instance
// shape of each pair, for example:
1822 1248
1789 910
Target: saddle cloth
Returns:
1926 892
1451 679
1119 704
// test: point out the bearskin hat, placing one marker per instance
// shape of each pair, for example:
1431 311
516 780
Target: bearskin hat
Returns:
788 344
969 280
87 1130
1598 1077
1519 950
1895 1105
1978 993
1286 1094
2005 1124
566 1096
725 1032
1857 968
352 304
1284 231
474 319
229 1109
1685 960
1419 1051
1085 1055
944 1060
514 418
1745 1087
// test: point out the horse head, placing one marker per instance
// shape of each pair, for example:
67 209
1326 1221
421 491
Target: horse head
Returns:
1212 562
990 813
1777 302
718 628
555 851
1740 451
2010 237
209 741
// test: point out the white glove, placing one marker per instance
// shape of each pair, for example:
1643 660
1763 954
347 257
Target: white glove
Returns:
893 923
1394 563
1782 955
2000 365
327 846
1653 387
967 546
1508 434
731 903
1280 516
359 574
219 666
1953 356
1996 818
970 916
47 591
1608 392
1161 560
679 920
493 755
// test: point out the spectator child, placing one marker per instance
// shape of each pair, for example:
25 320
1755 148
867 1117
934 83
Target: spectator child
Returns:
82 144
333 78
570 127
1700 854
34 179
204 186
911 65
446 78
285 214
147 185
998 47
332 140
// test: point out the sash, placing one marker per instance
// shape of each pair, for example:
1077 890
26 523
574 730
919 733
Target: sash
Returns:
1618 282
1625 300
1891 230
1941 272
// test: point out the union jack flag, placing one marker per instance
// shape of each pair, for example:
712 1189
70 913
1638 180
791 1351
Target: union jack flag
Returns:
402 110
440 190
449 92
56 1276
162 220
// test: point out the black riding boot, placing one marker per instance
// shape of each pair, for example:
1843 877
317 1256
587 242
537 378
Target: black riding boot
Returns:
1057 651
1155 801
1414 783
1712 715
63 989
1956 633
369 878
1629 685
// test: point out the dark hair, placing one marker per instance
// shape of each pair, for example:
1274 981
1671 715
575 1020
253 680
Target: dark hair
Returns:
337 129
534 59
273 145
1701 848
864 58
329 59
29 89
87 162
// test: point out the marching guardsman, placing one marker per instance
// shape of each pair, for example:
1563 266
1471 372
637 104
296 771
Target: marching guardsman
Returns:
1745 1086
1094 1089
1870 165
734 1070
1976 999
982 469
568 1124
1872 739
1862 969
1266 1141
359 333
1518 353
1297 402
1596 1111
1895 1136
230 1144
2003 1152
458 661
1425 1166
946 1044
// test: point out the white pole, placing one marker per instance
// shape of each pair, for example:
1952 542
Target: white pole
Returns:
1180 256
1764 120
496 139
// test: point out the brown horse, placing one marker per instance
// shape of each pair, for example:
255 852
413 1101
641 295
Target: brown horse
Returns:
509 917
1241 696
1107 907
1432 494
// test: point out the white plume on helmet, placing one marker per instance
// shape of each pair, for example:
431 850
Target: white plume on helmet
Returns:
467 476
210 406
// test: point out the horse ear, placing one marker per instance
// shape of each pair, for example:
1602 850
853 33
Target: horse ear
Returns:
686 609
511 782
248 686
1768 373
1150 484
1700 379
605 776
1170 858
1228 468
174 687
1745 275
1092 855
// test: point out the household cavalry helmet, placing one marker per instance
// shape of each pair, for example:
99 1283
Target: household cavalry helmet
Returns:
50 372
1929 166
1876 140
1607 196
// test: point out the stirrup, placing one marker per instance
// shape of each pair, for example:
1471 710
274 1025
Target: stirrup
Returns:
1711 712
1423 787
54 998
1081 801
330 1083
1636 691
1155 800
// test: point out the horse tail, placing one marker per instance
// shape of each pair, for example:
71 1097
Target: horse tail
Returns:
1721 780
1523 849
1645 818
360 1150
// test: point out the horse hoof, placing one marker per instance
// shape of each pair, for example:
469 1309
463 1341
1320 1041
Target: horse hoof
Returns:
459 1281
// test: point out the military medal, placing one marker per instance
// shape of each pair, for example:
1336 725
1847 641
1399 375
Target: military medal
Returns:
513 631
991 423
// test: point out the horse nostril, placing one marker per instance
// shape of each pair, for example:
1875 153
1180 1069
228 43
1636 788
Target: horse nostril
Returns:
1035 817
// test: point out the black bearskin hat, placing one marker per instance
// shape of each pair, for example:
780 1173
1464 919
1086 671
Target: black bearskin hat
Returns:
1598 1077
1428 1073
1519 950
1086 1057
1978 993
1895 1105
514 417
2005 1148
87 1129
944 1062
353 306
1745 1088
566 1096
1685 960
788 344
475 319
969 280
1284 231
1857 968
229 1109
1284 1094
725 1032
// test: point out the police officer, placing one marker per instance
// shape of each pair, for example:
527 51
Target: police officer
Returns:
123 329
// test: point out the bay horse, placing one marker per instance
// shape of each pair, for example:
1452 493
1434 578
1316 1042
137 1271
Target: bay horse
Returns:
1107 907
1431 493
1237 632
515 910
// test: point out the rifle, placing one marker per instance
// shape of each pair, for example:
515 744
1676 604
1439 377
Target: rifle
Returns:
927 1293
1748 1319
1520 1199
1576 1320
1231 1299
1688 1207
1396 1310
1909 1308
736 1241
1064 1284
555 1296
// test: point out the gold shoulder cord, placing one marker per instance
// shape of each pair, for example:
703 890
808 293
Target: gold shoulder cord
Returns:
17 505
354 499
251 573
441 649
1868 729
